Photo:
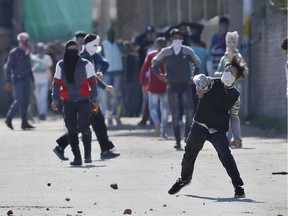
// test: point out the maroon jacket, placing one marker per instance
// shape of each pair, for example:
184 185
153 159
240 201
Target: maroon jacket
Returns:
155 85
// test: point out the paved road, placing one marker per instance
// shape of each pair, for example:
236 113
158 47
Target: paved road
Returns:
144 172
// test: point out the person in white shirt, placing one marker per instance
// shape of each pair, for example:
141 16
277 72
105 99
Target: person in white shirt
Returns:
41 66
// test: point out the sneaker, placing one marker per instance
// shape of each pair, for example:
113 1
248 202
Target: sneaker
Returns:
76 163
26 126
178 186
9 124
177 146
60 153
237 143
108 155
164 135
239 192
141 123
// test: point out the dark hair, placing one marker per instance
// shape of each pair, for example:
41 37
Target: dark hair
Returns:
284 44
185 24
197 26
224 19
70 42
79 34
161 42
175 31
89 37
195 38
240 65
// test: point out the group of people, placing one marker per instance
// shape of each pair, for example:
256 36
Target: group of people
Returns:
182 79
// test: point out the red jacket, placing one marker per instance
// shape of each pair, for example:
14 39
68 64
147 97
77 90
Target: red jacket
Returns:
155 85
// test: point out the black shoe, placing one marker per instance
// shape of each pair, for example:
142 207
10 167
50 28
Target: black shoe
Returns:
25 126
177 146
88 159
76 163
108 155
179 184
239 192
9 124
141 123
60 153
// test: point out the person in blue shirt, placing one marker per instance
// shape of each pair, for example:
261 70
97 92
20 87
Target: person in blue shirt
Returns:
19 78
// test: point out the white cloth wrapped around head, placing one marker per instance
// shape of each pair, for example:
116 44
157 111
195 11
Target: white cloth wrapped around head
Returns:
91 43
231 41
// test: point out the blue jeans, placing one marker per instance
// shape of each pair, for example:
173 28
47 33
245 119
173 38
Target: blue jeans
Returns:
22 90
194 143
154 99
41 95
112 100
234 125
180 93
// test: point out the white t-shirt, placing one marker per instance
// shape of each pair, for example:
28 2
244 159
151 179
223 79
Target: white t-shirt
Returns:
40 68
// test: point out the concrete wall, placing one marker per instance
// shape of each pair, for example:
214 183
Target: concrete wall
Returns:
268 79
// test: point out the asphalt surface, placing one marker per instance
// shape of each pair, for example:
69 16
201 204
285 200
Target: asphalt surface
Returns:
34 182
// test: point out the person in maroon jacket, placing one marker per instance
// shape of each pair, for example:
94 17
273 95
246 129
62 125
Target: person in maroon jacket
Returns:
156 88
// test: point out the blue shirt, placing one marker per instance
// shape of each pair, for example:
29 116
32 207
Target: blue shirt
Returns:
204 56
18 65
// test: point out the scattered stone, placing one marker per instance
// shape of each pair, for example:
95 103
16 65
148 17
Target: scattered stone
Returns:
95 203
164 205
48 184
10 213
151 209
114 186
279 173
47 209
67 199
127 211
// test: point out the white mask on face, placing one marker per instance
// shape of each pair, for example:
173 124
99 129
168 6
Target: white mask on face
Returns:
227 78
177 44
92 46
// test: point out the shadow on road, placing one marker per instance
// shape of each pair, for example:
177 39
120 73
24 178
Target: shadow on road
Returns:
218 199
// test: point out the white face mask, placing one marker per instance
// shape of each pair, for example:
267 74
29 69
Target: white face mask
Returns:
231 45
227 78
92 46
177 44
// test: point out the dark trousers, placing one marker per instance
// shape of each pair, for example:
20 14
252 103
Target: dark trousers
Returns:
77 117
194 143
180 94
100 129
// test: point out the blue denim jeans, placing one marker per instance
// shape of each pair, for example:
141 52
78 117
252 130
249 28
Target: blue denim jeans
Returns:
154 99
179 93
112 100
234 125
41 96
22 90
194 143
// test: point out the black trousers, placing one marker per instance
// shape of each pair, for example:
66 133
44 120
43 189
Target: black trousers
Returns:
77 117
100 129
194 143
